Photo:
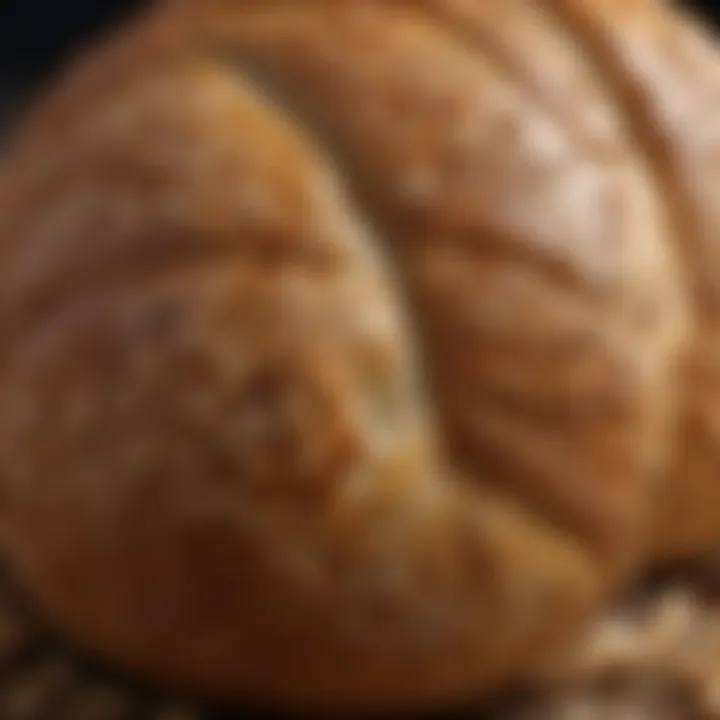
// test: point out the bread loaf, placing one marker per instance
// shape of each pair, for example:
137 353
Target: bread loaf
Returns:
355 353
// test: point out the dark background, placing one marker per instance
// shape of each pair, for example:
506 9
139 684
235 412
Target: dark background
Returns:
37 35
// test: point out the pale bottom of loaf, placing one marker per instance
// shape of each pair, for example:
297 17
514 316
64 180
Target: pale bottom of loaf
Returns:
656 656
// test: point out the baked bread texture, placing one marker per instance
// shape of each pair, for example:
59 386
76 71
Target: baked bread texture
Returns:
355 354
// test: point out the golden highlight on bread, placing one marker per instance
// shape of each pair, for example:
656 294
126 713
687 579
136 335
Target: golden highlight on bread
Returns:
354 353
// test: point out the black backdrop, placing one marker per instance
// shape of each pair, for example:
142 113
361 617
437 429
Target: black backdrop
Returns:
35 34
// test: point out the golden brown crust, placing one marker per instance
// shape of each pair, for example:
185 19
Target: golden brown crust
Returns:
456 145
340 340
671 70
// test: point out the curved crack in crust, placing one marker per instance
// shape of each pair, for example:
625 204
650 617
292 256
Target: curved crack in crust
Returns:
317 125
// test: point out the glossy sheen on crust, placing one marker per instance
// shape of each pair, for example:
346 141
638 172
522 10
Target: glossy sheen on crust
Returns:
341 340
